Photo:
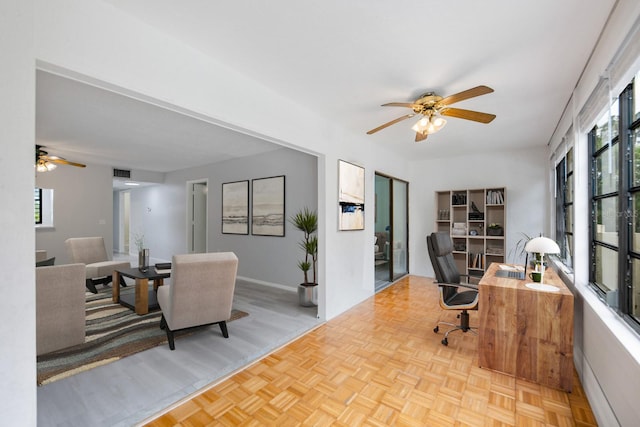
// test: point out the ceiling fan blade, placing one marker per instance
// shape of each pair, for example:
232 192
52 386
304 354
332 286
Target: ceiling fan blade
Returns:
398 104
476 116
61 161
461 96
392 122
421 136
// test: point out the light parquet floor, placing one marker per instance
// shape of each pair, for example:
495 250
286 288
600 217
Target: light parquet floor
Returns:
380 364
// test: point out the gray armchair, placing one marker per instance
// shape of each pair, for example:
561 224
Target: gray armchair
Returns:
201 292
92 252
453 294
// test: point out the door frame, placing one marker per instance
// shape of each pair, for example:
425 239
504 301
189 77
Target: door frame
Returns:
124 221
189 213
391 179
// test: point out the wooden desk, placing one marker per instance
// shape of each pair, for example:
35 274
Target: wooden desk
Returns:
524 332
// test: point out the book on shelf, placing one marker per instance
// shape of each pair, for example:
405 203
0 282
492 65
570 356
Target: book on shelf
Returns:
476 260
495 197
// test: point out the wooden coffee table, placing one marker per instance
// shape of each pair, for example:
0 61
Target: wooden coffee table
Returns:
143 299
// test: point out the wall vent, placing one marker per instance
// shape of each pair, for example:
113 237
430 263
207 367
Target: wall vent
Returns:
121 173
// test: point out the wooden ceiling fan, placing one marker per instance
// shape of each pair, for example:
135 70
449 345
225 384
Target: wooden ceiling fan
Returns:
45 162
432 107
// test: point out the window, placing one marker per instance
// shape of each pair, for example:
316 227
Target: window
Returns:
564 208
37 195
615 204
43 207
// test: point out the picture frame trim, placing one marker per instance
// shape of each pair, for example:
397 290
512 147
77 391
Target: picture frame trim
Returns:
235 226
351 196
268 220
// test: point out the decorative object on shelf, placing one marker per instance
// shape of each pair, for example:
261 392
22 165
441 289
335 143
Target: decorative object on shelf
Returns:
459 199
542 245
459 229
350 196
306 221
235 207
267 212
444 215
459 246
475 214
495 229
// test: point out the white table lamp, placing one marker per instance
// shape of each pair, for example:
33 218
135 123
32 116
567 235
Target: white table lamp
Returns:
542 245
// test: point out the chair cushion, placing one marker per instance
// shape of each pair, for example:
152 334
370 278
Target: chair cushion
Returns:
104 268
466 300
87 250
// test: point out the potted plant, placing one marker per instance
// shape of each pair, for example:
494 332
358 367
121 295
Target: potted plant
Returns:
306 221
495 229
519 251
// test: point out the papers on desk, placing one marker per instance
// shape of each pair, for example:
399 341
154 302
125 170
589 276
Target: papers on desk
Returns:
163 271
511 267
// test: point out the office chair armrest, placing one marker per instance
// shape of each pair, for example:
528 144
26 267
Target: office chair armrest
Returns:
459 285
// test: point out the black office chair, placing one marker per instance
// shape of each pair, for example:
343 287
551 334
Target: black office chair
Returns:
453 294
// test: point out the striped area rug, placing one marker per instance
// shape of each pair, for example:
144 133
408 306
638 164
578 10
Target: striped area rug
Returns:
112 332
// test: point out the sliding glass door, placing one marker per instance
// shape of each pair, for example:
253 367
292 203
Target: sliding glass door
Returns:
400 229
391 258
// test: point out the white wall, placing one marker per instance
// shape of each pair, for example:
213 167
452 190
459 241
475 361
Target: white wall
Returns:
160 213
82 207
17 275
521 172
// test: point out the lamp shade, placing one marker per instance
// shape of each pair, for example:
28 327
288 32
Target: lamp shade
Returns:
429 124
542 245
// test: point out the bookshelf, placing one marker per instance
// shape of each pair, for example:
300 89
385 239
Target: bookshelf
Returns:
468 216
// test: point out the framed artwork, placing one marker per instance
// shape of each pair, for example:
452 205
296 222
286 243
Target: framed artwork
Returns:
267 210
350 196
235 207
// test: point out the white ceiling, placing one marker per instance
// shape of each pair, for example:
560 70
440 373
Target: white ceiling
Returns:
343 59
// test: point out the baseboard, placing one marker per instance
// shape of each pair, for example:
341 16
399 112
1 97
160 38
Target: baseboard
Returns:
270 284
597 399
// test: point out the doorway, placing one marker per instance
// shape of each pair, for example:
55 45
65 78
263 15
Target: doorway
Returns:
391 257
197 216
124 221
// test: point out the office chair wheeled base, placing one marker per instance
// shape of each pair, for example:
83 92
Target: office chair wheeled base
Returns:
463 326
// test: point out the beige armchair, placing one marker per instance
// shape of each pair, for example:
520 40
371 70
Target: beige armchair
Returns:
201 292
92 252
60 307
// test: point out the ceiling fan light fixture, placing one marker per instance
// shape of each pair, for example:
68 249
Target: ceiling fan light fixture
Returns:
429 125
44 166
421 125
